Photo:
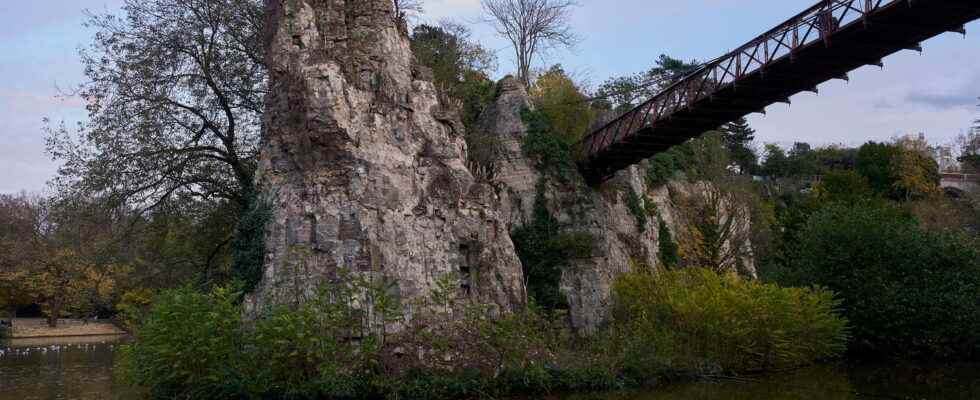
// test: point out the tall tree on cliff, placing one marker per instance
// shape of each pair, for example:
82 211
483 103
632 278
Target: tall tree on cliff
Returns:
737 137
405 9
625 92
460 66
533 27
175 95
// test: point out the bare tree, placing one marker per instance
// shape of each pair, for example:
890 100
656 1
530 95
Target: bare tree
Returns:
403 9
532 27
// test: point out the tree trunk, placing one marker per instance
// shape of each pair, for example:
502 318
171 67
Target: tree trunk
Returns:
53 316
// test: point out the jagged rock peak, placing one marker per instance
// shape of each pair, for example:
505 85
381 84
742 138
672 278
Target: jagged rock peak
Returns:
364 170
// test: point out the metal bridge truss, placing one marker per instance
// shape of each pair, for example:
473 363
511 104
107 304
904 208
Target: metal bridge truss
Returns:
822 43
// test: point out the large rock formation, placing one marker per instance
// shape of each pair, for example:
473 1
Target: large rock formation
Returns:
619 242
364 169
366 172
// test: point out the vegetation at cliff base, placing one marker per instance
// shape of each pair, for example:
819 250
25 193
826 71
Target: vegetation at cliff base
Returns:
333 346
766 257
698 321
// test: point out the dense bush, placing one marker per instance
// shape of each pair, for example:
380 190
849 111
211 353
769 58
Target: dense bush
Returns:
557 97
906 290
545 249
668 255
189 345
195 345
550 151
695 320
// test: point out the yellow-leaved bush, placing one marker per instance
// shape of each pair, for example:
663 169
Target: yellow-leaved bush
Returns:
695 320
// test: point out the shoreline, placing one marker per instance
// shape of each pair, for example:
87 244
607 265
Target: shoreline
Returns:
79 335
37 328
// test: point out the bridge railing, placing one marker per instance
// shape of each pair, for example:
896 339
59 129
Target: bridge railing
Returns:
817 24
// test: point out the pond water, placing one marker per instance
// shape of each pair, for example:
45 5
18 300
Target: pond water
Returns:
61 369
82 368
825 382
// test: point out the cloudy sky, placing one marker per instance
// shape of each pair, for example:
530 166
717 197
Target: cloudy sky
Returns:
934 93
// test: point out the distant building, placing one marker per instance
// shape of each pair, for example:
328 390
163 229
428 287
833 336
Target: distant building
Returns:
945 158
963 182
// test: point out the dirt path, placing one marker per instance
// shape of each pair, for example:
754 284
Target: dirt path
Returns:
38 327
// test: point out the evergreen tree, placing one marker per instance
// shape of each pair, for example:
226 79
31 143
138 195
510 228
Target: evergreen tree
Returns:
626 92
669 257
737 136
737 133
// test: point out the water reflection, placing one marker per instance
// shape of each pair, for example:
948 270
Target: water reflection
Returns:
82 368
61 368
828 382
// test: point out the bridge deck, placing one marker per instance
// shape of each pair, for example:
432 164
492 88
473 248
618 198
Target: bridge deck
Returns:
824 42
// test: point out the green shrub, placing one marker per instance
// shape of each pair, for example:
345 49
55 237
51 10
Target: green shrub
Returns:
637 207
662 168
669 255
308 352
551 152
906 290
545 249
189 345
695 320
133 306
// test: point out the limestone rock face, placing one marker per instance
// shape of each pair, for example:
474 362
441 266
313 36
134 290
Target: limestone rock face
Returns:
363 167
620 244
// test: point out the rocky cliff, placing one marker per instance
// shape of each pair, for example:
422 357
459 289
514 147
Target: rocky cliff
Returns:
619 243
366 172
364 168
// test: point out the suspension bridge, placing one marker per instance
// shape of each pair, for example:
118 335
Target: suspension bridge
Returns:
824 42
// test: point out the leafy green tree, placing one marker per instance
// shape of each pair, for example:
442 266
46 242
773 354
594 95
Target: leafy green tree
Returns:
843 186
902 171
906 291
563 104
776 163
624 93
175 93
460 66
875 163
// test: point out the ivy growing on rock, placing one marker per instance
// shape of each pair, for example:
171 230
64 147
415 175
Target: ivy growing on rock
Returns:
669 257
551 153
248 245
637 208
545 250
